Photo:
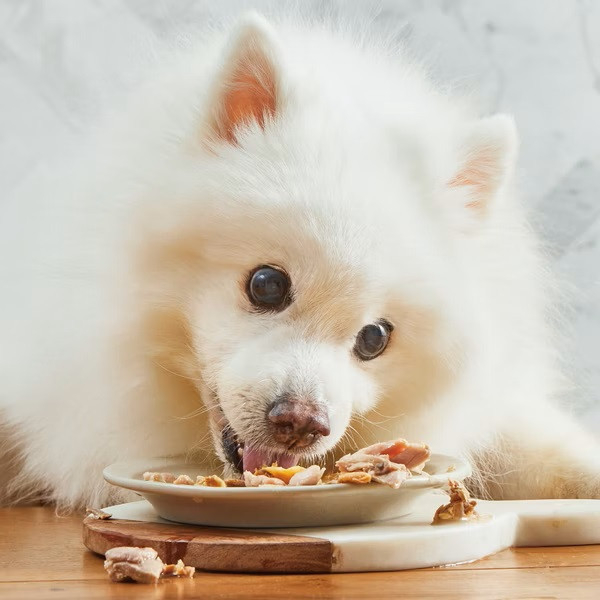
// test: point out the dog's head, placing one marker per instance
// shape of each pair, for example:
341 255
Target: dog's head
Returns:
328 220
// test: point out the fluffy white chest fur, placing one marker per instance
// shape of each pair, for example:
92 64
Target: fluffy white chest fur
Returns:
289 241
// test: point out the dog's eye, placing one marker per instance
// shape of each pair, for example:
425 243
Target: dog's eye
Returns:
372 340
269 288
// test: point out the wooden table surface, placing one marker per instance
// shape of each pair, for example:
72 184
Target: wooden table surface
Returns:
42 556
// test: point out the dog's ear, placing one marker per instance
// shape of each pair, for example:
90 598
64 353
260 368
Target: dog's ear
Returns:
487 158
246 90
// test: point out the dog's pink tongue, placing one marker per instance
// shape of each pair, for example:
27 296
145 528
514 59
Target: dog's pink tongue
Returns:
255 458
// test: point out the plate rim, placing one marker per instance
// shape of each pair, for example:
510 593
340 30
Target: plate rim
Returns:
113 474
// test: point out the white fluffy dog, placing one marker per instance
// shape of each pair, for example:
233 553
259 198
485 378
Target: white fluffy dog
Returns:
289 242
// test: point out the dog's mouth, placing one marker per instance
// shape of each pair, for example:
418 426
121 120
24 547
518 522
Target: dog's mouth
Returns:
248 457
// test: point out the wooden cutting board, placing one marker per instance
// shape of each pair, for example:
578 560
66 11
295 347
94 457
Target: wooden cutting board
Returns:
214 548
405 543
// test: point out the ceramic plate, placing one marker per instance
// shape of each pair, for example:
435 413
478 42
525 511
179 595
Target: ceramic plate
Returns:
273 506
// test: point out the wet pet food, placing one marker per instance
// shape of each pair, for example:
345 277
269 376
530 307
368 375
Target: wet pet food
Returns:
142 565
460 507
388 463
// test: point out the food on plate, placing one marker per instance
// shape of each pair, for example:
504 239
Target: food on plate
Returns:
310 476
354 477
252 480
284 474
141 565
294 476
235 483
210 481
460 507
184 480
378 466
388 463
95 513
162 477
412 456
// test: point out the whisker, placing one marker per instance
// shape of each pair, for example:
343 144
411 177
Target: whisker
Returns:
177 374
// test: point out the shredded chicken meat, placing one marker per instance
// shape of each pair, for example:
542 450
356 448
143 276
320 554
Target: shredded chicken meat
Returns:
142 565
354 477
95 513
138 564
412 455
178 570
161 477
389 463
310 476
210 481
460 507
252 480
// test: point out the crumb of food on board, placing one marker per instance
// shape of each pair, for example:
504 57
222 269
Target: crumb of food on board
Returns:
142 565
178 570
460 507
95 513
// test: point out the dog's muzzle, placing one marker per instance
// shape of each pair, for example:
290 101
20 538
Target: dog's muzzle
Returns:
292 425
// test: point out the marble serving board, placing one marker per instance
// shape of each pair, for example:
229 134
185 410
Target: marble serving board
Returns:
405 543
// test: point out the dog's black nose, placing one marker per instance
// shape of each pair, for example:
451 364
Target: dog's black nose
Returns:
297 422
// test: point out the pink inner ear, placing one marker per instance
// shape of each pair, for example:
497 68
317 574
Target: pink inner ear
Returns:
480 175
249 95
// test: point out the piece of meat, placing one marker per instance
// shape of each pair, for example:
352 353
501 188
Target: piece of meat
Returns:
178 570
161 477
252 480
353 477
184 480
147 572
142 565
95 513
359 461
460 507
394 478
210 481
235 483
310 476
413 455
376 460
214 481
280 472
138 564
131 554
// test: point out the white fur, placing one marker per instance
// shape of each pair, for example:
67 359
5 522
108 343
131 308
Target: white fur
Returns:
123 306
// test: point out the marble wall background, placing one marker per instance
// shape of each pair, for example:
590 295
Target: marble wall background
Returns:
61 60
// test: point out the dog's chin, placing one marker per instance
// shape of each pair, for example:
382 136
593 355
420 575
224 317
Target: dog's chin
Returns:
241 455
